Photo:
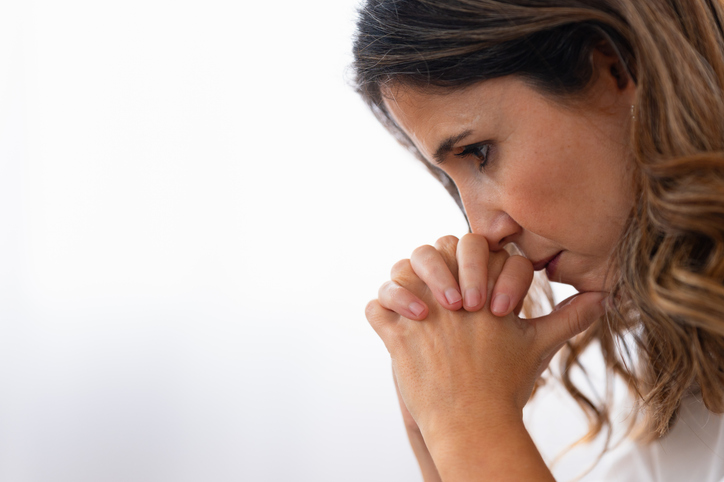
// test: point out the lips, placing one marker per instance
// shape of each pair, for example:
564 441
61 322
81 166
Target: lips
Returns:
549 264
539 265
551 267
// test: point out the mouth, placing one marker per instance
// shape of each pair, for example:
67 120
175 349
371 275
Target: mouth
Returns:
549 264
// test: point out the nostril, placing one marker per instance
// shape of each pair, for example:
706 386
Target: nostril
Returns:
498 228
503 242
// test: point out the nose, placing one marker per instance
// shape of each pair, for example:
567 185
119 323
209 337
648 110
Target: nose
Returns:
498 229
485 218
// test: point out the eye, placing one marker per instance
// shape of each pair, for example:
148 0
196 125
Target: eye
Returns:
478 151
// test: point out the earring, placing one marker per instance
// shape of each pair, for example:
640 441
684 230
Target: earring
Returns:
633 112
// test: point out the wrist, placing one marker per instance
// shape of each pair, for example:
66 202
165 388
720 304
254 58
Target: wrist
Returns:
495 446
469 420
473 429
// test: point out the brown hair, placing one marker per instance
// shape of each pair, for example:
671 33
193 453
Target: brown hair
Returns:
669 292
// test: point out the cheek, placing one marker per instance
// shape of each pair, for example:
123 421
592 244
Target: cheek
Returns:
543 176
570 199
541 192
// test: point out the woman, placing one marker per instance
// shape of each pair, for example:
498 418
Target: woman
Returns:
587 136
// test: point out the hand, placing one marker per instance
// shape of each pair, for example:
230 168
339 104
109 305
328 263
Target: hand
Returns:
458 370
472 254
432 266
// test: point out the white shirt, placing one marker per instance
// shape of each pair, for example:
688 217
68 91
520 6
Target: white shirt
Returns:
693 451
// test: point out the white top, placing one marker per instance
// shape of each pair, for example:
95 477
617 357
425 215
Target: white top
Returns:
692 452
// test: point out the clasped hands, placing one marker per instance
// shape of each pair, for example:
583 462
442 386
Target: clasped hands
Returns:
462 357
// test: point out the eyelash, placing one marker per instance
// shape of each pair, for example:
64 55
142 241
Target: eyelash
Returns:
471 151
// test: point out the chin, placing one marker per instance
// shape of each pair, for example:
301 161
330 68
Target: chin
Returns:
583 277
590 284
582 282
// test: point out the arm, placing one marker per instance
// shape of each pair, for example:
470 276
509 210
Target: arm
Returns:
424 459
492 451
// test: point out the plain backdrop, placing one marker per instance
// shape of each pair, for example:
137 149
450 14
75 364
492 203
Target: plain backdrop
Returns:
195 209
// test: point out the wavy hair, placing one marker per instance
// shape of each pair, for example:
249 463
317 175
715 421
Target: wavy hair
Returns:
664 333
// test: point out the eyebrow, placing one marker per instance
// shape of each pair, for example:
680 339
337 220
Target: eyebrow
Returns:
447 145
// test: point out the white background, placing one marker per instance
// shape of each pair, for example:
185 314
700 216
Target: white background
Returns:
195 209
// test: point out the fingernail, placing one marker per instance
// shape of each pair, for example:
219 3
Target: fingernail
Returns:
472 297
500 303
416 308
452 296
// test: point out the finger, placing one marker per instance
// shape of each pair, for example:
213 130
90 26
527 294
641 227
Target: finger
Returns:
429 265
512 285
403 274
568 319
447 246
472 259
380 319
519 307
496 261
395 298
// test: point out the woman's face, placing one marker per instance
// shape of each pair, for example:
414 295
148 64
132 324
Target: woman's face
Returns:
555 181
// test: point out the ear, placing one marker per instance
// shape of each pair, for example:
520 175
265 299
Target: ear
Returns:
607 61
611 74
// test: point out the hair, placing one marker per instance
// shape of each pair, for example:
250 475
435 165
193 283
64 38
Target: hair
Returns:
664 331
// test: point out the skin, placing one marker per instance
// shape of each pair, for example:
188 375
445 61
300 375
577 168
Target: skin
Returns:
464 377
557 181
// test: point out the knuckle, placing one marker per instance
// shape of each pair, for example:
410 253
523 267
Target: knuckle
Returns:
371 311
447 242
387 288
423 254
403 274
575 323
471 266
401 268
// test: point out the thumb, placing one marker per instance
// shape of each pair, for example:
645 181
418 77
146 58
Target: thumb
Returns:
571 317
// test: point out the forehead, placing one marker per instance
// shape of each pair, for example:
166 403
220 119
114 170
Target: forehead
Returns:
428 116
